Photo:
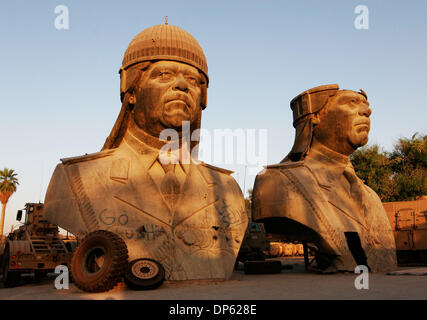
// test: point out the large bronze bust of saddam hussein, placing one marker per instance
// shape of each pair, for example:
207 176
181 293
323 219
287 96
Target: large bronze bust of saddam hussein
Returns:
314 195
187 216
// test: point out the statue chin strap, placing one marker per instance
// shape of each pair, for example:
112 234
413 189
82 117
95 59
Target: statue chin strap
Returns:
303 139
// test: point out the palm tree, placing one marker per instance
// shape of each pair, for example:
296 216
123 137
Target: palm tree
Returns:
8 183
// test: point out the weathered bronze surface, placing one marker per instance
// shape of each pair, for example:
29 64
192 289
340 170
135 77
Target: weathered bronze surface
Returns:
189 217
314 195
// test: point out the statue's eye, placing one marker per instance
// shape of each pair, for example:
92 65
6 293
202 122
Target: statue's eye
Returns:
165 75
192 80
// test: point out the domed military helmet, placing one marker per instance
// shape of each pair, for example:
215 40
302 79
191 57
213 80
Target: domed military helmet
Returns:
165 42
160 42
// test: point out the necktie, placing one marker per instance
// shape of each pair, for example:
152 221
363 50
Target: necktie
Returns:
356 192
371 239
170 186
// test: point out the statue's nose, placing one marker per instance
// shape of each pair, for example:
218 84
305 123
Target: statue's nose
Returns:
365 110
181 83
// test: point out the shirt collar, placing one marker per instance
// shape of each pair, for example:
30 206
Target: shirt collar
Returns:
148 147
328 165
322 153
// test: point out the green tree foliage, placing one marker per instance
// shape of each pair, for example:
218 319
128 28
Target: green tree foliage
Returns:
399 175
409 162
373 166
8 185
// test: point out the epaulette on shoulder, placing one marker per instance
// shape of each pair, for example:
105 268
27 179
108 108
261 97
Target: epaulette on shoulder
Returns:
87 157
285 165
227 172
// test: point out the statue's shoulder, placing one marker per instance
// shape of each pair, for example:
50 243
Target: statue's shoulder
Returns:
221 178
373 195
275 170
87 157
284 176
286 165
216 169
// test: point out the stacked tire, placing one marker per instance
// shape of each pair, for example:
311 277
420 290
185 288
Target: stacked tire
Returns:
100 262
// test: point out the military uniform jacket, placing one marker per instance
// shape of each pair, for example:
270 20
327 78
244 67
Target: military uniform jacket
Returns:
316 193
118 190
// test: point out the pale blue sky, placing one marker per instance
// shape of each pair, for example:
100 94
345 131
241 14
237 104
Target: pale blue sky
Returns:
60 88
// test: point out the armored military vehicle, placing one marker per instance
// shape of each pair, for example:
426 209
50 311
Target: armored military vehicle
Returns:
254 250
409 222
34 248
255 244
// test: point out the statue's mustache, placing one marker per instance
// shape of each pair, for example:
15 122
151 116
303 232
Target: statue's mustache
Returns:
179 96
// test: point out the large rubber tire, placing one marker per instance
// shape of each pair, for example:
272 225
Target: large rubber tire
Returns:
99 262
10 278
263 267
144 274
254 256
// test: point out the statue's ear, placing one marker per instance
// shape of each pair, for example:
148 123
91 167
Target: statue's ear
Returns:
130 78
123 79
132 98
315 119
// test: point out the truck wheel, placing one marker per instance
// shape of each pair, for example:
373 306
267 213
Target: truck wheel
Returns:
263 267
10 278
144 274
99 262
39 275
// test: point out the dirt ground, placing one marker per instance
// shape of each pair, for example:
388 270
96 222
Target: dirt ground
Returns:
290 284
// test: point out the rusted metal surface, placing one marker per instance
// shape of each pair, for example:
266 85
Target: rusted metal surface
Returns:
409 222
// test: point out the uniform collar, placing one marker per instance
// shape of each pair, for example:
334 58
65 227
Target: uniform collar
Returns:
327 165
148 147
322 153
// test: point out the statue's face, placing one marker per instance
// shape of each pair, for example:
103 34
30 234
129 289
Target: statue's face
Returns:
344 125
168 94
